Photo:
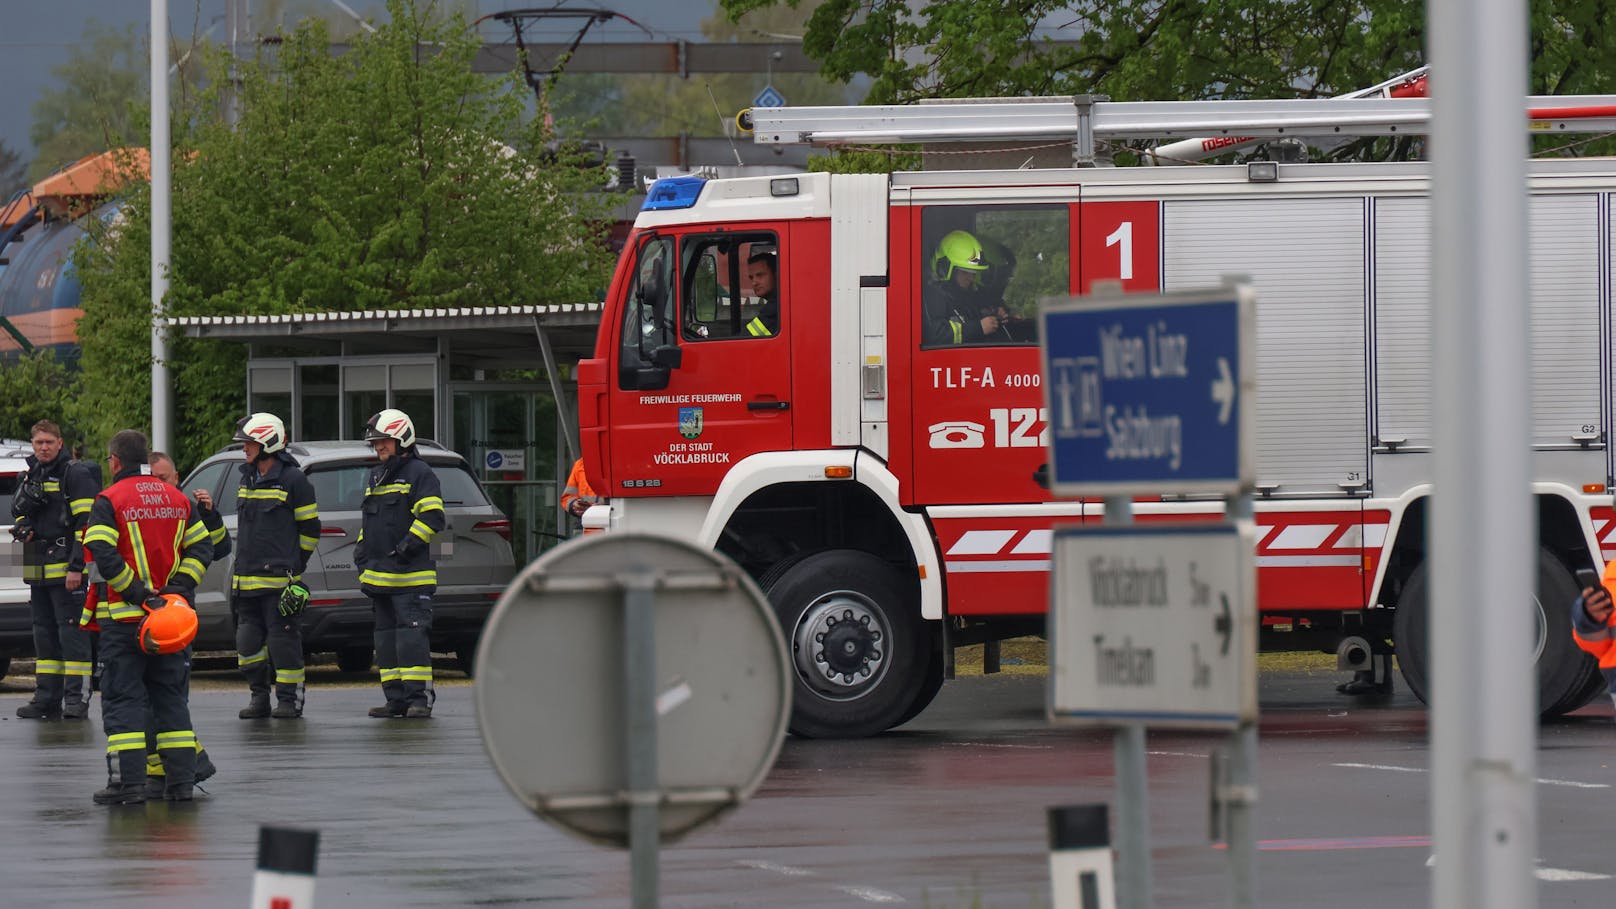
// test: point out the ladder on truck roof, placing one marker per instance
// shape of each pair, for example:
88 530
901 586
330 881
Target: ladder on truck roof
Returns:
1083 119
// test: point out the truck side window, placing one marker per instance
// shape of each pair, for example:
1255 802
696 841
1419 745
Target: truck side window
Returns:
731 288
649 311
983 269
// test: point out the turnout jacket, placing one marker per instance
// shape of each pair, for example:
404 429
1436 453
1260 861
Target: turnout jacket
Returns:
277 525
402 512
58 525
146 537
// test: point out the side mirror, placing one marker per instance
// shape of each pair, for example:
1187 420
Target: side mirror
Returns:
650 378
669 356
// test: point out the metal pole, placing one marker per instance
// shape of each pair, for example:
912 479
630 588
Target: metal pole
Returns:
639 686
1133 796
1484 702
569 428
1240 796
161 382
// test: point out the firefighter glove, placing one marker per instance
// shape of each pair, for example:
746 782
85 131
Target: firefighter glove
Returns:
294 598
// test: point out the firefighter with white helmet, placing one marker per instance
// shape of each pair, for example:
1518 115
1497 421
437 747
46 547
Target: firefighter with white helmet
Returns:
147 539
403 511
951 302
277 529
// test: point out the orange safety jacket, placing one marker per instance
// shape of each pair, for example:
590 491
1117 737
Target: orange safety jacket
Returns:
577 488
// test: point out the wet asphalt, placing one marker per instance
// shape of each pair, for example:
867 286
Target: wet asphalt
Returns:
945 812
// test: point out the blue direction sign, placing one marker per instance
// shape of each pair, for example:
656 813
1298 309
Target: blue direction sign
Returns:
1150 393
769 97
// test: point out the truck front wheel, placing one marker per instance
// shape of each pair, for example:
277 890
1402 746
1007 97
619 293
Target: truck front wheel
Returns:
858 651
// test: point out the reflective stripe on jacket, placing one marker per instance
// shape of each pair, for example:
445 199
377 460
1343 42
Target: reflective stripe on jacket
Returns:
277 525
145 535
402 512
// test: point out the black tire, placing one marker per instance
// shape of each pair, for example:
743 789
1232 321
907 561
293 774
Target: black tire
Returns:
852 613
354 659
5 666
1562 666
931 682
465 655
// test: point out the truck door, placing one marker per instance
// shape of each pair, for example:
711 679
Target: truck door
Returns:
979 427
702 359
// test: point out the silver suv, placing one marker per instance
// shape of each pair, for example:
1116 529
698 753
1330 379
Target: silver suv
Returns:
474 553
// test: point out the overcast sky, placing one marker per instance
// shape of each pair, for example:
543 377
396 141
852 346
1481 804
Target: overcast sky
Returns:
36 35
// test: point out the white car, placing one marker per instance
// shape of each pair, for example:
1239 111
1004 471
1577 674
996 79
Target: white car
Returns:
16 625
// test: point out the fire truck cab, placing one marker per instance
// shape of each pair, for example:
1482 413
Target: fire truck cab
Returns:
834 379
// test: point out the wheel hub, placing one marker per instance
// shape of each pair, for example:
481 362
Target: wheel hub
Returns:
839 645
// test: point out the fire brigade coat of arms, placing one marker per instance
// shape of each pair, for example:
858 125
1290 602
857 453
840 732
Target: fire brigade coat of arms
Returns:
690 422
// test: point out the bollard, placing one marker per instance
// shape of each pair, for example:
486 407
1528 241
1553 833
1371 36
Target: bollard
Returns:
1080 858
285 878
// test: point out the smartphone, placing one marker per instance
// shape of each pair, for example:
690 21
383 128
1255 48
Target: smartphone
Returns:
1587 577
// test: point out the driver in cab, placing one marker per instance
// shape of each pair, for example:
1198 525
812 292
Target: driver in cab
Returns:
952 300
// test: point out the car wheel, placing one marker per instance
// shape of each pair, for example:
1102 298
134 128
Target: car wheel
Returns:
930 684
5 666
354 659
1562 667
858 649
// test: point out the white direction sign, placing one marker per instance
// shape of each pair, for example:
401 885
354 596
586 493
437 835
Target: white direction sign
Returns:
1154 625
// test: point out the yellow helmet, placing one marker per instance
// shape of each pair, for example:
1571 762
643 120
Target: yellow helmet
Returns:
957 249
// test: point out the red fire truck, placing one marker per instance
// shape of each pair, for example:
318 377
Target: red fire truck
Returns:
779 375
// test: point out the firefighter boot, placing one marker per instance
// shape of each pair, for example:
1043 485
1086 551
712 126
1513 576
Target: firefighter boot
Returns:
258 708
76 710
33 710
204 765
388 711
121 794
418 712
285 711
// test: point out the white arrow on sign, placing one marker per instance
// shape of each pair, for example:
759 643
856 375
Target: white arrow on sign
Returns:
1223 390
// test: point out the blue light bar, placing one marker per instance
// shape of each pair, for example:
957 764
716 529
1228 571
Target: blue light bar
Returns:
673 192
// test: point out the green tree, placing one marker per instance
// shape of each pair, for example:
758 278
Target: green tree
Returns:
34 386
1165 49
13 171
384 178
94 108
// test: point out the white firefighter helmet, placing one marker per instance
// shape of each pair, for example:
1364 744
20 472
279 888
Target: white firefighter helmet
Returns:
264 428
391 423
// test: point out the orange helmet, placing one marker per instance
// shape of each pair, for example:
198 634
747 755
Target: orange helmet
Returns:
169 628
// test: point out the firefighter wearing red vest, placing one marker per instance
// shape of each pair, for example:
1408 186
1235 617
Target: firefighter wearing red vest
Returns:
50 509
1593 625
277 528
403 511
147 538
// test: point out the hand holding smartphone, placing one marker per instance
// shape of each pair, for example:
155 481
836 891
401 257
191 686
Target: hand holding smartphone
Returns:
1586 578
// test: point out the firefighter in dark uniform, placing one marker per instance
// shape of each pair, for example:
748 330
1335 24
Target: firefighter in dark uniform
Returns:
951 301
402 512
146 538
49 512
277 528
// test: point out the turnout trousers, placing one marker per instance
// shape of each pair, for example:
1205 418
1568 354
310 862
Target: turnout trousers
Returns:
61 649
404 647
267 641
132 684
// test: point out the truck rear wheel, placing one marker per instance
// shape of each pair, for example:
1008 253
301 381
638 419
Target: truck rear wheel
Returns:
1562 667
858 650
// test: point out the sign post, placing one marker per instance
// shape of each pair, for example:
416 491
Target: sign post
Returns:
1151 394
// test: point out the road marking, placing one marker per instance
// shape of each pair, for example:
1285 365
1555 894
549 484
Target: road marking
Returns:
1002 745
1556 875
1572 784
871 895
1190 754
786 870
